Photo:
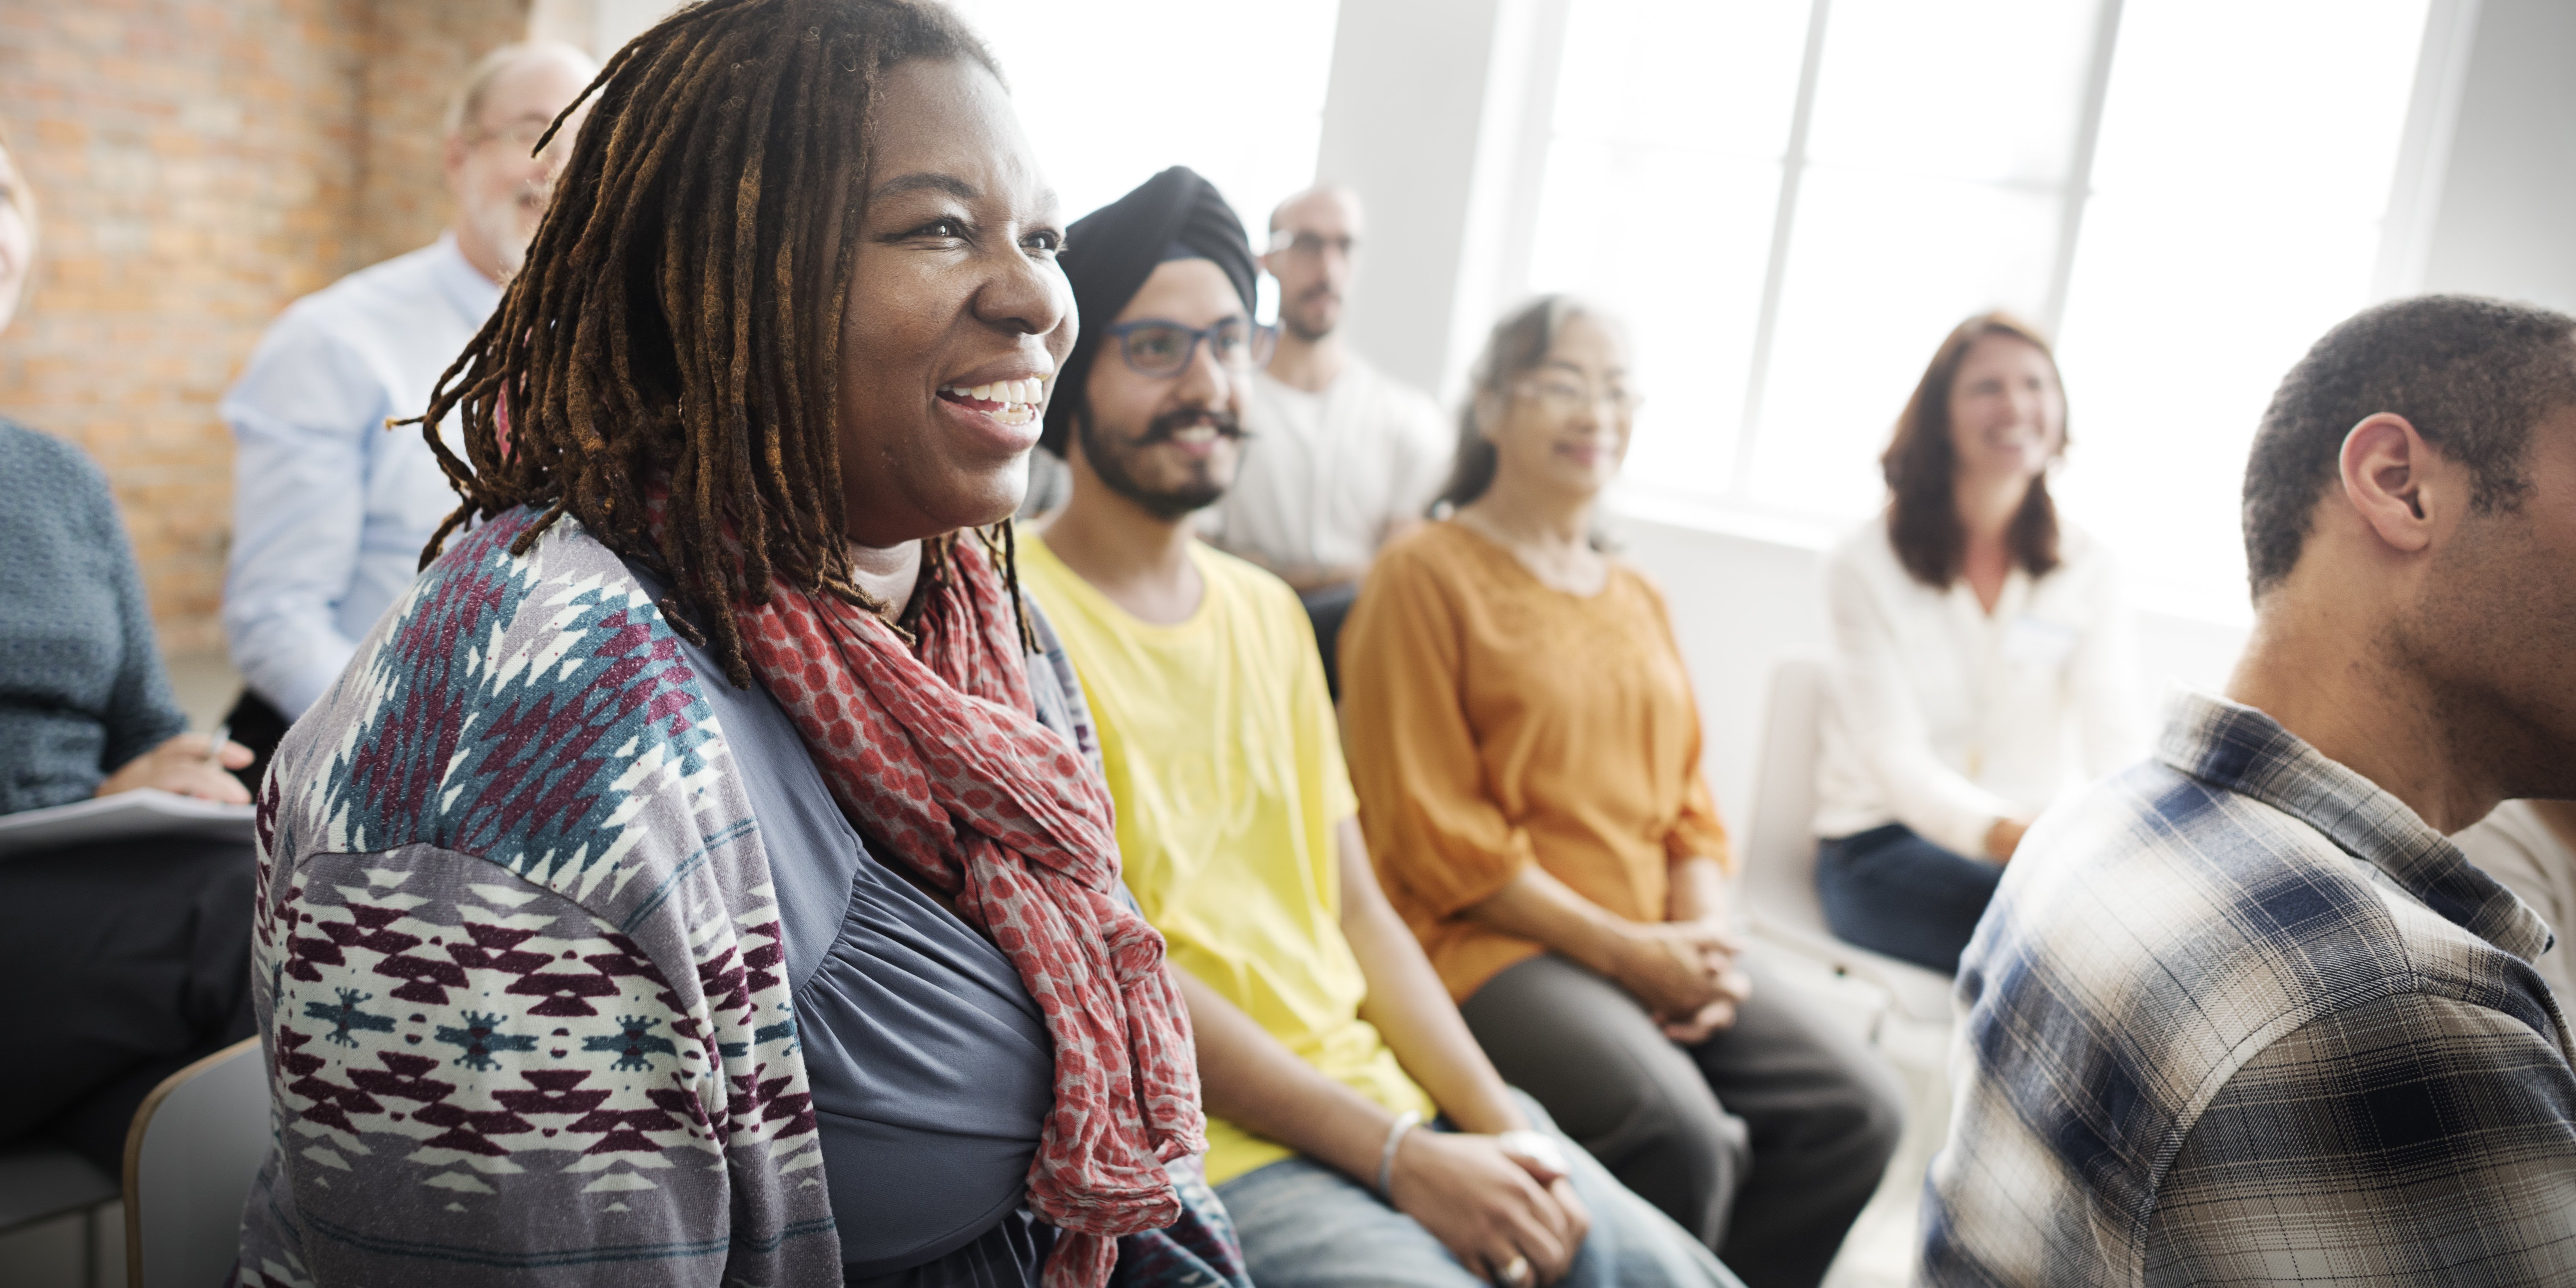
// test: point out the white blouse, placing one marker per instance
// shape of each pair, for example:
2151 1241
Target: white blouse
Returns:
2515 846
1945 717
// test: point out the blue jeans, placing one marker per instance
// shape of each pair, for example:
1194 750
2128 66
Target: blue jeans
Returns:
1304 1225
1893 892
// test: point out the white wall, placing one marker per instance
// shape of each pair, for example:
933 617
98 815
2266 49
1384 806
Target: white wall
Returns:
1404 121
2507 213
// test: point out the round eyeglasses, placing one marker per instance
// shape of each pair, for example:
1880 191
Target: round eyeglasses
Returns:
1563 396
1160 348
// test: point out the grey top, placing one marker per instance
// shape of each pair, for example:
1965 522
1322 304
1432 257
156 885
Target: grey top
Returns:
931 1068
81 685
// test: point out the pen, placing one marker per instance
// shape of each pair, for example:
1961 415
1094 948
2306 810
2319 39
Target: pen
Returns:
215 741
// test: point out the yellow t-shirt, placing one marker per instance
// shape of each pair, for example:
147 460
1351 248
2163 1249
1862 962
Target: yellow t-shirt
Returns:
1226 764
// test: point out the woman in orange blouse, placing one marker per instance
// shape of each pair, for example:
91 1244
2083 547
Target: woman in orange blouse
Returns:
1526 750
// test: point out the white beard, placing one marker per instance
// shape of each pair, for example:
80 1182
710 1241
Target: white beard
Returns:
498 225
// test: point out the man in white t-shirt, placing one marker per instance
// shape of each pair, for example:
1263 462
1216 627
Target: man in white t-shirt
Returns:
1342 459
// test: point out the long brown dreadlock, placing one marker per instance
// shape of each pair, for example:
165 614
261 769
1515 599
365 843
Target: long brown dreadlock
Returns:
667 329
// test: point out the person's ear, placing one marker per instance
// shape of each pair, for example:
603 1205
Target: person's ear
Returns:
452 155
2385 467
1270 264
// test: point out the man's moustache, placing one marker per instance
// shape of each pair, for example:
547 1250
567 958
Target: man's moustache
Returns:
1166 426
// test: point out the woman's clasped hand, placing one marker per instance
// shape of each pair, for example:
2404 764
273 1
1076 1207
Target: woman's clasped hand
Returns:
1685 974
1447 1181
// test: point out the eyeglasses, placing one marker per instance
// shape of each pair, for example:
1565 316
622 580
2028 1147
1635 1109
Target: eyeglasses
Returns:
1562 396
1311 245
1154 347
522 135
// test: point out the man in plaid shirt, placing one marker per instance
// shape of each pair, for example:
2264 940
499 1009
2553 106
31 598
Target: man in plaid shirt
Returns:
2240 1014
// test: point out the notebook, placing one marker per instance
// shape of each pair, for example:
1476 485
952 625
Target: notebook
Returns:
145 812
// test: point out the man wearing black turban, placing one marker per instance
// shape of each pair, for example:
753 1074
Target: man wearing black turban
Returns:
1107 256
1110 252
1239 837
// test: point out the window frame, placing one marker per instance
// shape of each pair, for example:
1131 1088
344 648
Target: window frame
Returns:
2406 228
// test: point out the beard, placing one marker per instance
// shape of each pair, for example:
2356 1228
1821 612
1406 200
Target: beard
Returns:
509 227
1305 321
1169 504
2490 640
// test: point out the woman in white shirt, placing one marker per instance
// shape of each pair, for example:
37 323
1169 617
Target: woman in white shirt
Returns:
1982 654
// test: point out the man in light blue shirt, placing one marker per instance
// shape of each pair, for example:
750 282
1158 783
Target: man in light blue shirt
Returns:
330 510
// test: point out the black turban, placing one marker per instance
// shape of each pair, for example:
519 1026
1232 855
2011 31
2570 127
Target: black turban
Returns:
1110 252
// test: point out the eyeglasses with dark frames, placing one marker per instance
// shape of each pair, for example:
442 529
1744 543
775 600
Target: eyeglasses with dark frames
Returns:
1163 349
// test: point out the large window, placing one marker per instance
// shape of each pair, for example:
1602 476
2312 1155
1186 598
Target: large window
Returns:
1793 200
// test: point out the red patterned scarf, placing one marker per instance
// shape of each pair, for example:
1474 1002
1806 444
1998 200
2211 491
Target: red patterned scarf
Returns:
935 752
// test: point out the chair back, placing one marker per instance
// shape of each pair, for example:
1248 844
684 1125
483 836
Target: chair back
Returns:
1780 846
1779 888
195 1148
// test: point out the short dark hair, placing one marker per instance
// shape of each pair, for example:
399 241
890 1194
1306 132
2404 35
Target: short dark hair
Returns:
2472 375
1921 465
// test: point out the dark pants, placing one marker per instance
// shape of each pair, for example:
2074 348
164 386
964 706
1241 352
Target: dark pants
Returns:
1765 1140
129 961
1325 609
255 724
1893 892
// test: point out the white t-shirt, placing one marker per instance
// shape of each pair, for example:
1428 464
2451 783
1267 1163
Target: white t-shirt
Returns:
1326 475
1944 717
2515 847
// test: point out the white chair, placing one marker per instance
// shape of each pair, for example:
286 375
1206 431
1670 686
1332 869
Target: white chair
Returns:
1779 888
192 1154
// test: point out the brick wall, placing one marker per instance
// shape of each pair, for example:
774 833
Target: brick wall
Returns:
415 53
199 164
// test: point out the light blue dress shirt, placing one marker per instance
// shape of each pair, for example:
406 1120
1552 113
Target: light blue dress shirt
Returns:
330 511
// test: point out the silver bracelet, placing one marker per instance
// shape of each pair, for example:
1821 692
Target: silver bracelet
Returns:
1404 1122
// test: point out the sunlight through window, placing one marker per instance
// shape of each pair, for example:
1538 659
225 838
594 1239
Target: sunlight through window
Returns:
2239 170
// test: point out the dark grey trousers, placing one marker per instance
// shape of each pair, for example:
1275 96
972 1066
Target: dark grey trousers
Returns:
1765 1140
130 961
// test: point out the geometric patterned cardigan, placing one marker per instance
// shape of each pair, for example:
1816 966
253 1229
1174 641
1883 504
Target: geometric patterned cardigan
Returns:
518 966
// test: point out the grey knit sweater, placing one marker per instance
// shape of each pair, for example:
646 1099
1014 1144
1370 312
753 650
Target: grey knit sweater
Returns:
81 685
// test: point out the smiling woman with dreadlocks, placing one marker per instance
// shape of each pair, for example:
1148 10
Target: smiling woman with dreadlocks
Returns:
704 876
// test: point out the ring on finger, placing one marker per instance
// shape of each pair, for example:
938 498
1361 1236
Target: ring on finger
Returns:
1514 1274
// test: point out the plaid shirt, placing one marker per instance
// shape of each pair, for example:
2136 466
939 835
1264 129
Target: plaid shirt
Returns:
2238 1016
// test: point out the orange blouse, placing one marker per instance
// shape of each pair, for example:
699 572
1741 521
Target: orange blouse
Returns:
1492 721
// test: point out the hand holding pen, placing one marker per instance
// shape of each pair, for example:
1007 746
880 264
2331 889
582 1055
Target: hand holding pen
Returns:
189 764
